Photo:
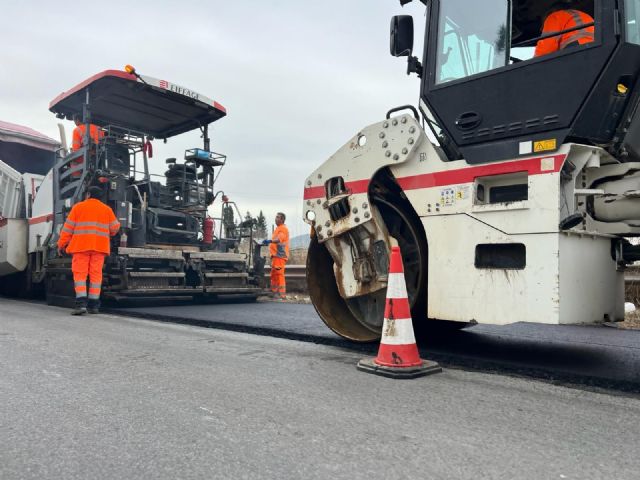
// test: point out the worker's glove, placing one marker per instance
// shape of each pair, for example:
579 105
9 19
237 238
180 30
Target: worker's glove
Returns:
266 242
60 251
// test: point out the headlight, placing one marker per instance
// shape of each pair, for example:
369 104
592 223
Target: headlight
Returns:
310 216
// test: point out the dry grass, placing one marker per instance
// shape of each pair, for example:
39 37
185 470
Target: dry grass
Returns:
631 321
632 293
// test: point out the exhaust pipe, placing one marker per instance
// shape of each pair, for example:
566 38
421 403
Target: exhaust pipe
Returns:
63 139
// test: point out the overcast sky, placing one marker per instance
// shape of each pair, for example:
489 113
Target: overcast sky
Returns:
298 78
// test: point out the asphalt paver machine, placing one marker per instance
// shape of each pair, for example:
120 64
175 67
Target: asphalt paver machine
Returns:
512 190
167 245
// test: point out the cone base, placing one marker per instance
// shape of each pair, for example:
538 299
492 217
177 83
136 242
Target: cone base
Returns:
427 368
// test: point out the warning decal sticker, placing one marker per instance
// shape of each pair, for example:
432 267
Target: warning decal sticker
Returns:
544 145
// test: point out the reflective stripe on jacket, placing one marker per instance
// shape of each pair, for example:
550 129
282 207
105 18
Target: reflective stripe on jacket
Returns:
88 228
78 135
564 20
281 249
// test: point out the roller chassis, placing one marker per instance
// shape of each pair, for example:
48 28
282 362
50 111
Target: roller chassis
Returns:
571 274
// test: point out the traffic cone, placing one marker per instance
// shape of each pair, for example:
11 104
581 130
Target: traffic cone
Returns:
398 355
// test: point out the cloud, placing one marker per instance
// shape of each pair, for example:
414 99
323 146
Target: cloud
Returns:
298 78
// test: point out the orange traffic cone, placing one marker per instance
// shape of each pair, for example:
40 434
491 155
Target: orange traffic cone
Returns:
398 355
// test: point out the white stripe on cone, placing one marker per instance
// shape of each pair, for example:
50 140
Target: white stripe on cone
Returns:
396 287
397 332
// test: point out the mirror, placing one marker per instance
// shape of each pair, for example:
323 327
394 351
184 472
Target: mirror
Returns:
402 35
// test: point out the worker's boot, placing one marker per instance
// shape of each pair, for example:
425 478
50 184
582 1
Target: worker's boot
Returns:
93 306
81 307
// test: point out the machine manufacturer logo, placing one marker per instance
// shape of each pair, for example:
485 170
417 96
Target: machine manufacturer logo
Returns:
178 89
183 91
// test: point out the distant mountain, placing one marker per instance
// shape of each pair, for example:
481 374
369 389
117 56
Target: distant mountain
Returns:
301 241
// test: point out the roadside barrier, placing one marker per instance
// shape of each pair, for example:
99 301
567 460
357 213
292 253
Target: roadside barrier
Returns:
295 276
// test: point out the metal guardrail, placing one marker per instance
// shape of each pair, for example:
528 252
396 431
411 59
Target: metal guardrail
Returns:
295 275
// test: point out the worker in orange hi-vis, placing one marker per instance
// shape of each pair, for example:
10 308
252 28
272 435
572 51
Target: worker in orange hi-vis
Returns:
77 142
279 250
559 19
86 235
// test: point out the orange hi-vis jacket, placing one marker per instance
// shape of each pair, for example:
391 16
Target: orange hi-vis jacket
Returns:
88 228
78 135
564 20
280 250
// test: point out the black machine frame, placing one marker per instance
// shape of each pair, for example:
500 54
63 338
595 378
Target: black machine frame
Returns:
570 95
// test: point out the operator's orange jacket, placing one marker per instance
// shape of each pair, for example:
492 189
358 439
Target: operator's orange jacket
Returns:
564 20
88 228
280 250
78 135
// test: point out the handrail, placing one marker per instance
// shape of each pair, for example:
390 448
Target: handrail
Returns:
532 41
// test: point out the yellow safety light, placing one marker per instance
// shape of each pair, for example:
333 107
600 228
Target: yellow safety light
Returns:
130 69
622 89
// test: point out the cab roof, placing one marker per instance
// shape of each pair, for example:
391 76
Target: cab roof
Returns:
145 104
14 133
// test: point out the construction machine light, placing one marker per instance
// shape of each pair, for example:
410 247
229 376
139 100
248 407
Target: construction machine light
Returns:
622 89
310 216
103 180
130 69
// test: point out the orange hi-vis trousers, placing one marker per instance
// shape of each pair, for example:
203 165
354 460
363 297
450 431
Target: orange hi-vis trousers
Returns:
278 284
87 264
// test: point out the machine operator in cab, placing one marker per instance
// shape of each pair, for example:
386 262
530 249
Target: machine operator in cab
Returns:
95 133
77 142
561 17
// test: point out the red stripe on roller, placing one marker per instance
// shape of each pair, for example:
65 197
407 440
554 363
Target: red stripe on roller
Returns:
395 264
313 192
397 308
41 219
357 186
533 166
398 356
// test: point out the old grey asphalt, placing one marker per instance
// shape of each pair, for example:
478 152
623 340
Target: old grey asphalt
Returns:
111 397
587 355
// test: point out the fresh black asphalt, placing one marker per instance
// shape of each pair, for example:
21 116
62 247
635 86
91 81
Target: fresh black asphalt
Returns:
592 356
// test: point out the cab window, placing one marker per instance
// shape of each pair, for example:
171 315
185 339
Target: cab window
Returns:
472 38
632 20
476 37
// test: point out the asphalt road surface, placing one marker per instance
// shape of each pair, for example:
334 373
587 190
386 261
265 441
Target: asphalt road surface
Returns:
107 396
596 356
